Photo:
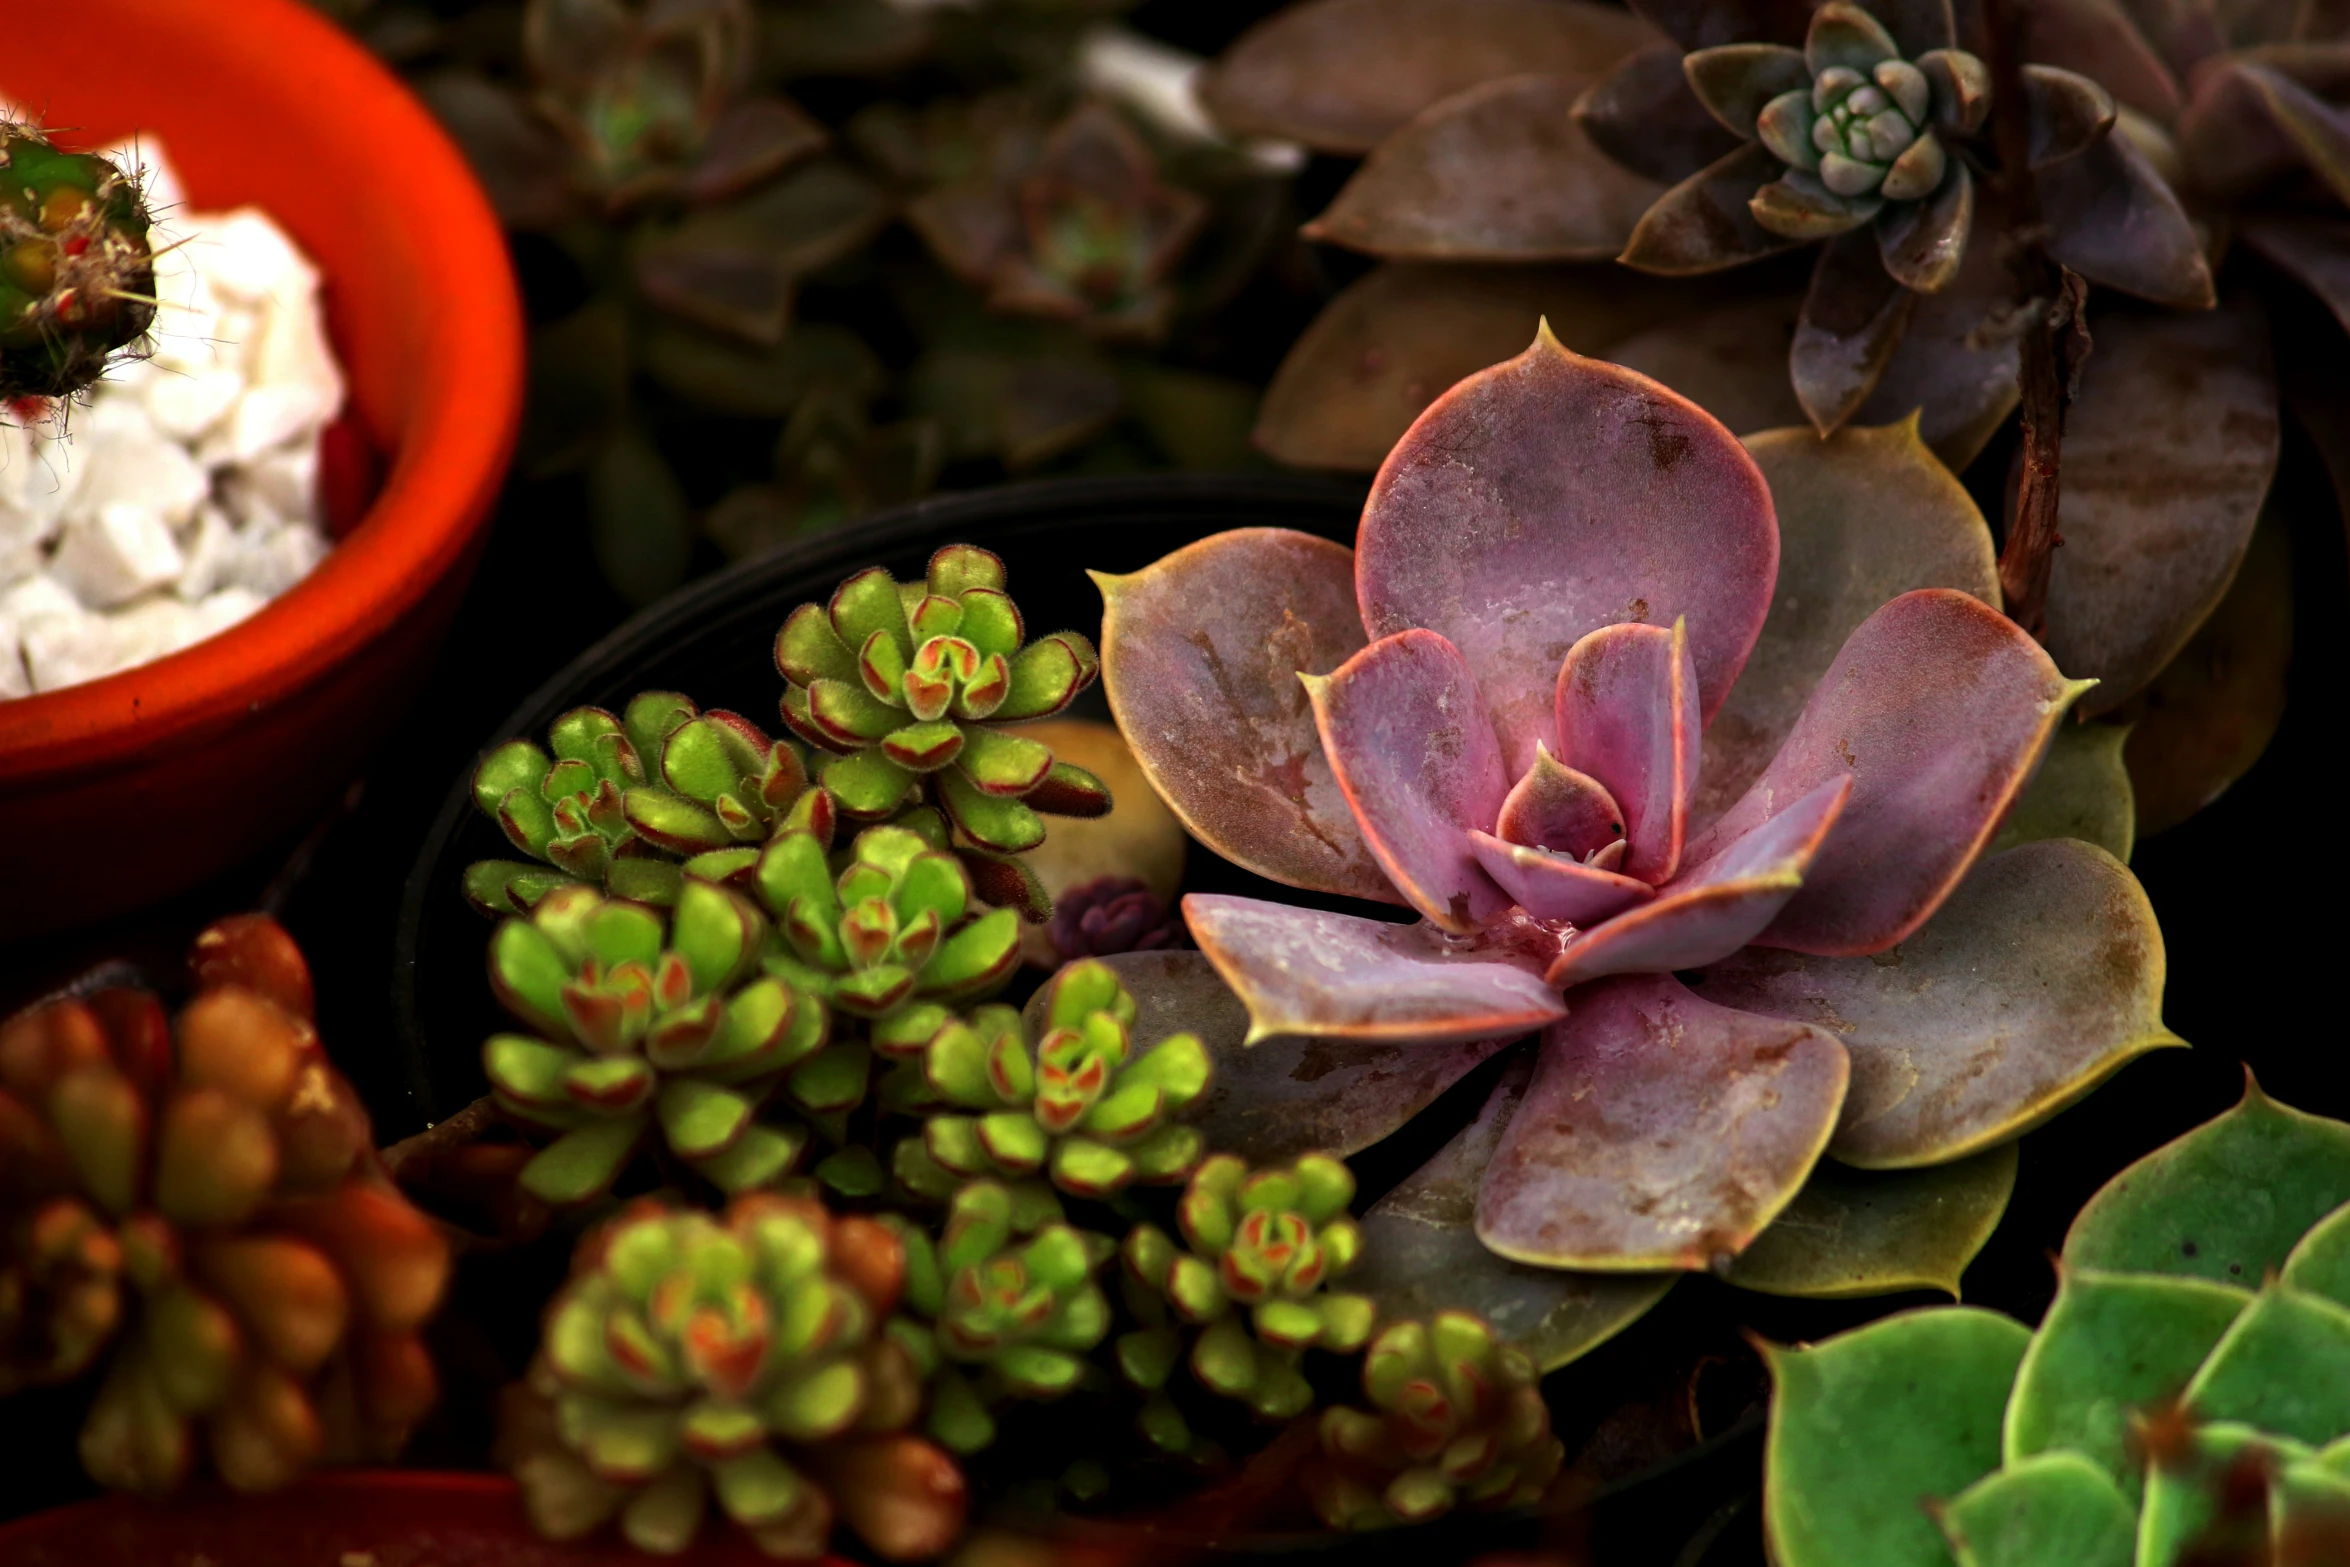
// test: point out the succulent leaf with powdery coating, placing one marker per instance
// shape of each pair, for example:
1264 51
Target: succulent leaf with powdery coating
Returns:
889 931
195 1204
1081 1105
910 687
2185 1398
644 1021
738 1357
623 799
1249 1286
1007 1294
77 277
1456 1420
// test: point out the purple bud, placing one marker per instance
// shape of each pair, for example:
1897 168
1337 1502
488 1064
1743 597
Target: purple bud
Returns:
1113 914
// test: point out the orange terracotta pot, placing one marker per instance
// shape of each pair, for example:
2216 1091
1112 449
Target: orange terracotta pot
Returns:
125 790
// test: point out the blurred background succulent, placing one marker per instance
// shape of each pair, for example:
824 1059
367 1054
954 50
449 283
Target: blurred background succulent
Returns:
794 260
193 1204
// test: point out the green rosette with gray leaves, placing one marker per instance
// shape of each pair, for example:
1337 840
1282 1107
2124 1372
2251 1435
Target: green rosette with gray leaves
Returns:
1082 1105
889 929
1248 1290
630 804
910 688
2186 1399
1457 1420
1002 1305
644 1022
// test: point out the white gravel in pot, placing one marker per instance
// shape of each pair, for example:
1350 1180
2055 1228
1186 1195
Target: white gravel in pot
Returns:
184 495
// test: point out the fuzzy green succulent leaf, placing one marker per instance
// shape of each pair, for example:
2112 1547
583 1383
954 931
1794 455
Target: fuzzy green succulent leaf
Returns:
2282 1367
2056 1510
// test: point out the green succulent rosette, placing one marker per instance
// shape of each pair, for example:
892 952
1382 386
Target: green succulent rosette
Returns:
619 802
1456 1420
77 276
1248 1289
889 929
1081 1105
2186 1398
738 1358
644 1021
909 687
1002 1305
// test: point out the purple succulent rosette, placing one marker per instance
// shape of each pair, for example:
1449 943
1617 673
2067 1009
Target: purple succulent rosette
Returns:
1493 712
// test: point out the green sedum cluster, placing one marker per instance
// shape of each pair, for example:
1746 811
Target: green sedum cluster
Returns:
77 275
2185 1400
1080 1105
736 1358
1251 1292
1456 1420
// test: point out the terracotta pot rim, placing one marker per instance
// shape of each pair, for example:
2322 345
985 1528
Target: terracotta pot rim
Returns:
436 494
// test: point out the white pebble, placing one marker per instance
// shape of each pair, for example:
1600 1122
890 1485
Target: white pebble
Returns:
38 597
252 260
65 650
210 545
186 403
137 466
115 556
15 679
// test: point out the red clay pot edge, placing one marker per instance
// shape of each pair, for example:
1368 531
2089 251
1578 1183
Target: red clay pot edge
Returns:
445 472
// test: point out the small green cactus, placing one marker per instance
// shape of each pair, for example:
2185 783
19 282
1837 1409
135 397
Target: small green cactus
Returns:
647 1022
622 800
1007 1291
889 931
77 275
1456 1420
1081 1104
738 1356
1251 1292
908 686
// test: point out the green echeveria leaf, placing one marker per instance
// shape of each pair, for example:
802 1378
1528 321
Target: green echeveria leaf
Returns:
2283 1367
2112 1344
2082 790
1874 1232
2228 1201
2057 1510
2320 1262
2182 1495
1868 1424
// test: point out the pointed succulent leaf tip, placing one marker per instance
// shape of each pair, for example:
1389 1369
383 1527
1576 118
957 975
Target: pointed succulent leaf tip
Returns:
1200 657
738 1357
1605 498
1739 83
1698 1147
1869 1421
1709 221
1852 1233
649 1022
1626 711
1249 1287
1502 172
2038 979
194 1222
1929 787
1456 1420
2066 112
1556 887
1923 244
2115 220
1854 317
1079 1101
1272 1101
1644 117
1407 739
1303 973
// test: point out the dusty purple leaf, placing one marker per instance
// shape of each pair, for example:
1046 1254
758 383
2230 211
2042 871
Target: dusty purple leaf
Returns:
1707 222
1643 115
1731 360
1853 317
1722 902
2098 39
1342 75
2316 251
754 138
2319 131
1838 564
1408 742
1554 806
2066 113
2231 143
1937 708
1660 1131
1271 1102
1627 715
2038 979
1736 80
1798 208
1200 657
2160 494
1392 341
1421 1253
1553 886
1703 24
1922 244
1501 172
1917 25
1547 497
1339 976
1957 362
522 162
2113 220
